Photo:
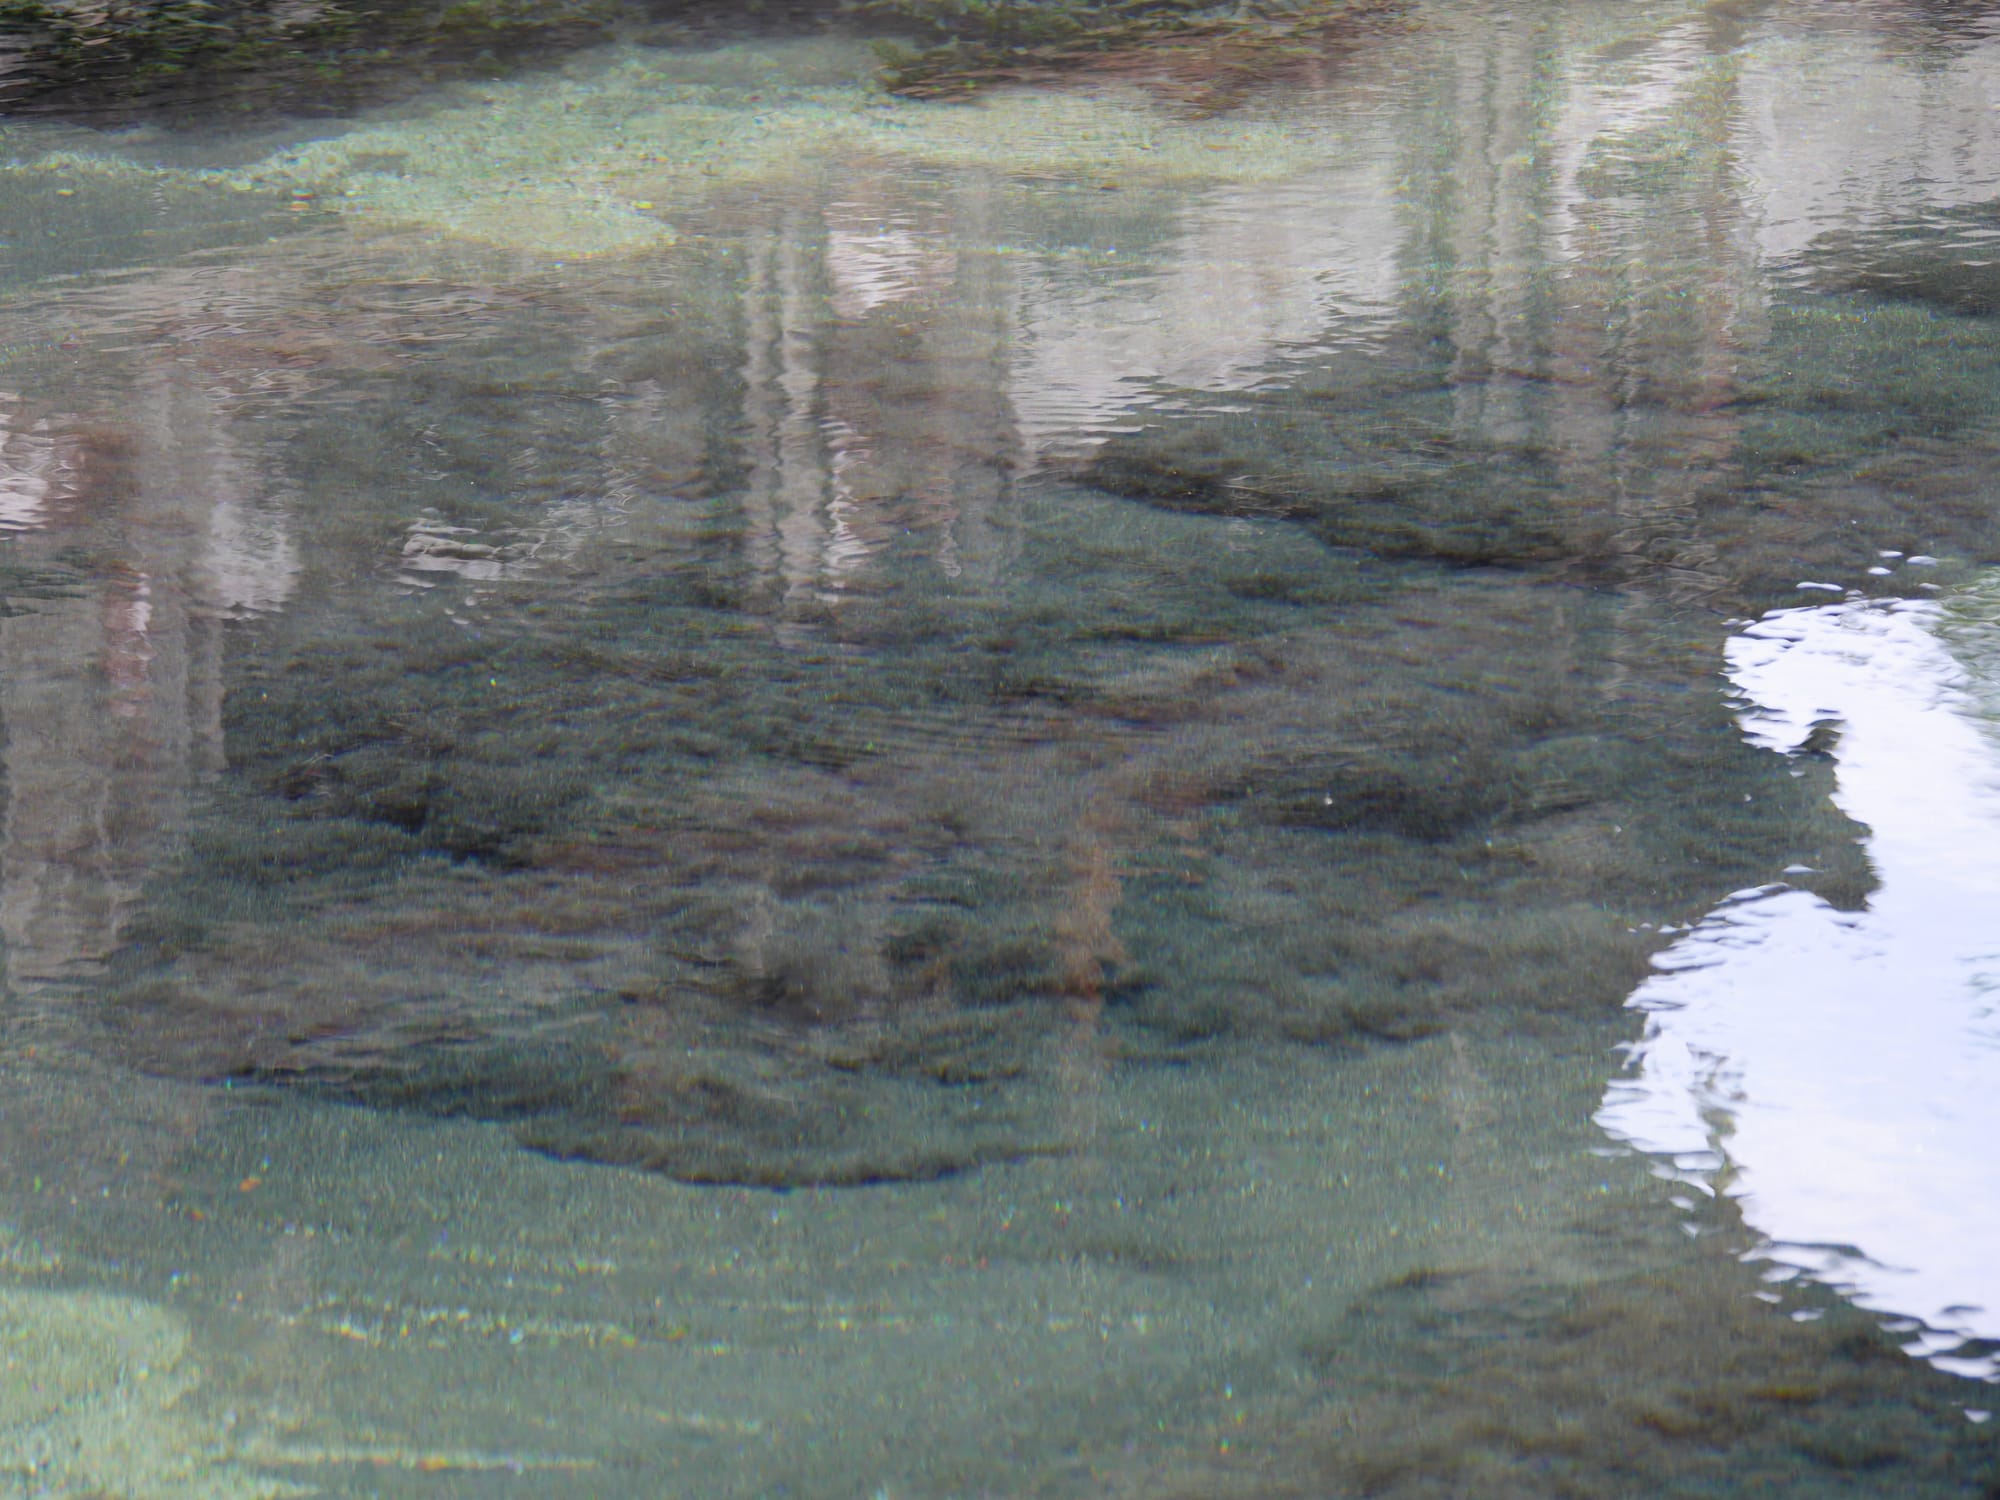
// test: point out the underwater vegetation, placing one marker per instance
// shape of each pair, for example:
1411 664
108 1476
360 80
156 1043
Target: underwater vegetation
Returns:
1595 1377
668 865
1070 722
593 781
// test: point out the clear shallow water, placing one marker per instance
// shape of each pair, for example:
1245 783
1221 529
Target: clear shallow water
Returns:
718 787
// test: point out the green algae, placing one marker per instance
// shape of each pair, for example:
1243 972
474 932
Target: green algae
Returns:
607 160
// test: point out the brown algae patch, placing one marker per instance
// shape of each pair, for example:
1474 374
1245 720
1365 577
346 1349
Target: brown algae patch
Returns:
92 1391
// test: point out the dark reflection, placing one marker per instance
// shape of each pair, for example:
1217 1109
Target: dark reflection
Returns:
197 60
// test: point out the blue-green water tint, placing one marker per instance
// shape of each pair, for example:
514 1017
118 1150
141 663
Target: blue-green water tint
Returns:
716 787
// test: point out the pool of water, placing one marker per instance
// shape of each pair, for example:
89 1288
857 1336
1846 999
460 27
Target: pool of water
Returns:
718 786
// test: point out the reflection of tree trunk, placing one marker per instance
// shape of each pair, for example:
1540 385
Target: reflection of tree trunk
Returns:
762 409
1086 943
973 352
784 508
70 821
890 418
1623 372
96 754
1496 235
111 697
801 519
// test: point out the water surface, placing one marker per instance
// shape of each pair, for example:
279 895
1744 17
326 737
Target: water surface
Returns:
718 786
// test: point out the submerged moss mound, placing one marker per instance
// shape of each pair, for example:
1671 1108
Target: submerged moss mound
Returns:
1516 1382
633 846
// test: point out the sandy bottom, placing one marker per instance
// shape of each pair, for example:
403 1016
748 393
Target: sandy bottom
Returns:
224 1293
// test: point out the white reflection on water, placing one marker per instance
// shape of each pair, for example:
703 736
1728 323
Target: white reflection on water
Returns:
1837 1072
1252 274
31 470
1827 137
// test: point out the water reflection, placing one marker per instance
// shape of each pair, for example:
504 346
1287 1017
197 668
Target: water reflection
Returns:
112 703
1242 279
1111 708
1827 138
1834 1071
31 470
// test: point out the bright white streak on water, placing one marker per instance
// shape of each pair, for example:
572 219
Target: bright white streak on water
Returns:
1838 1073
